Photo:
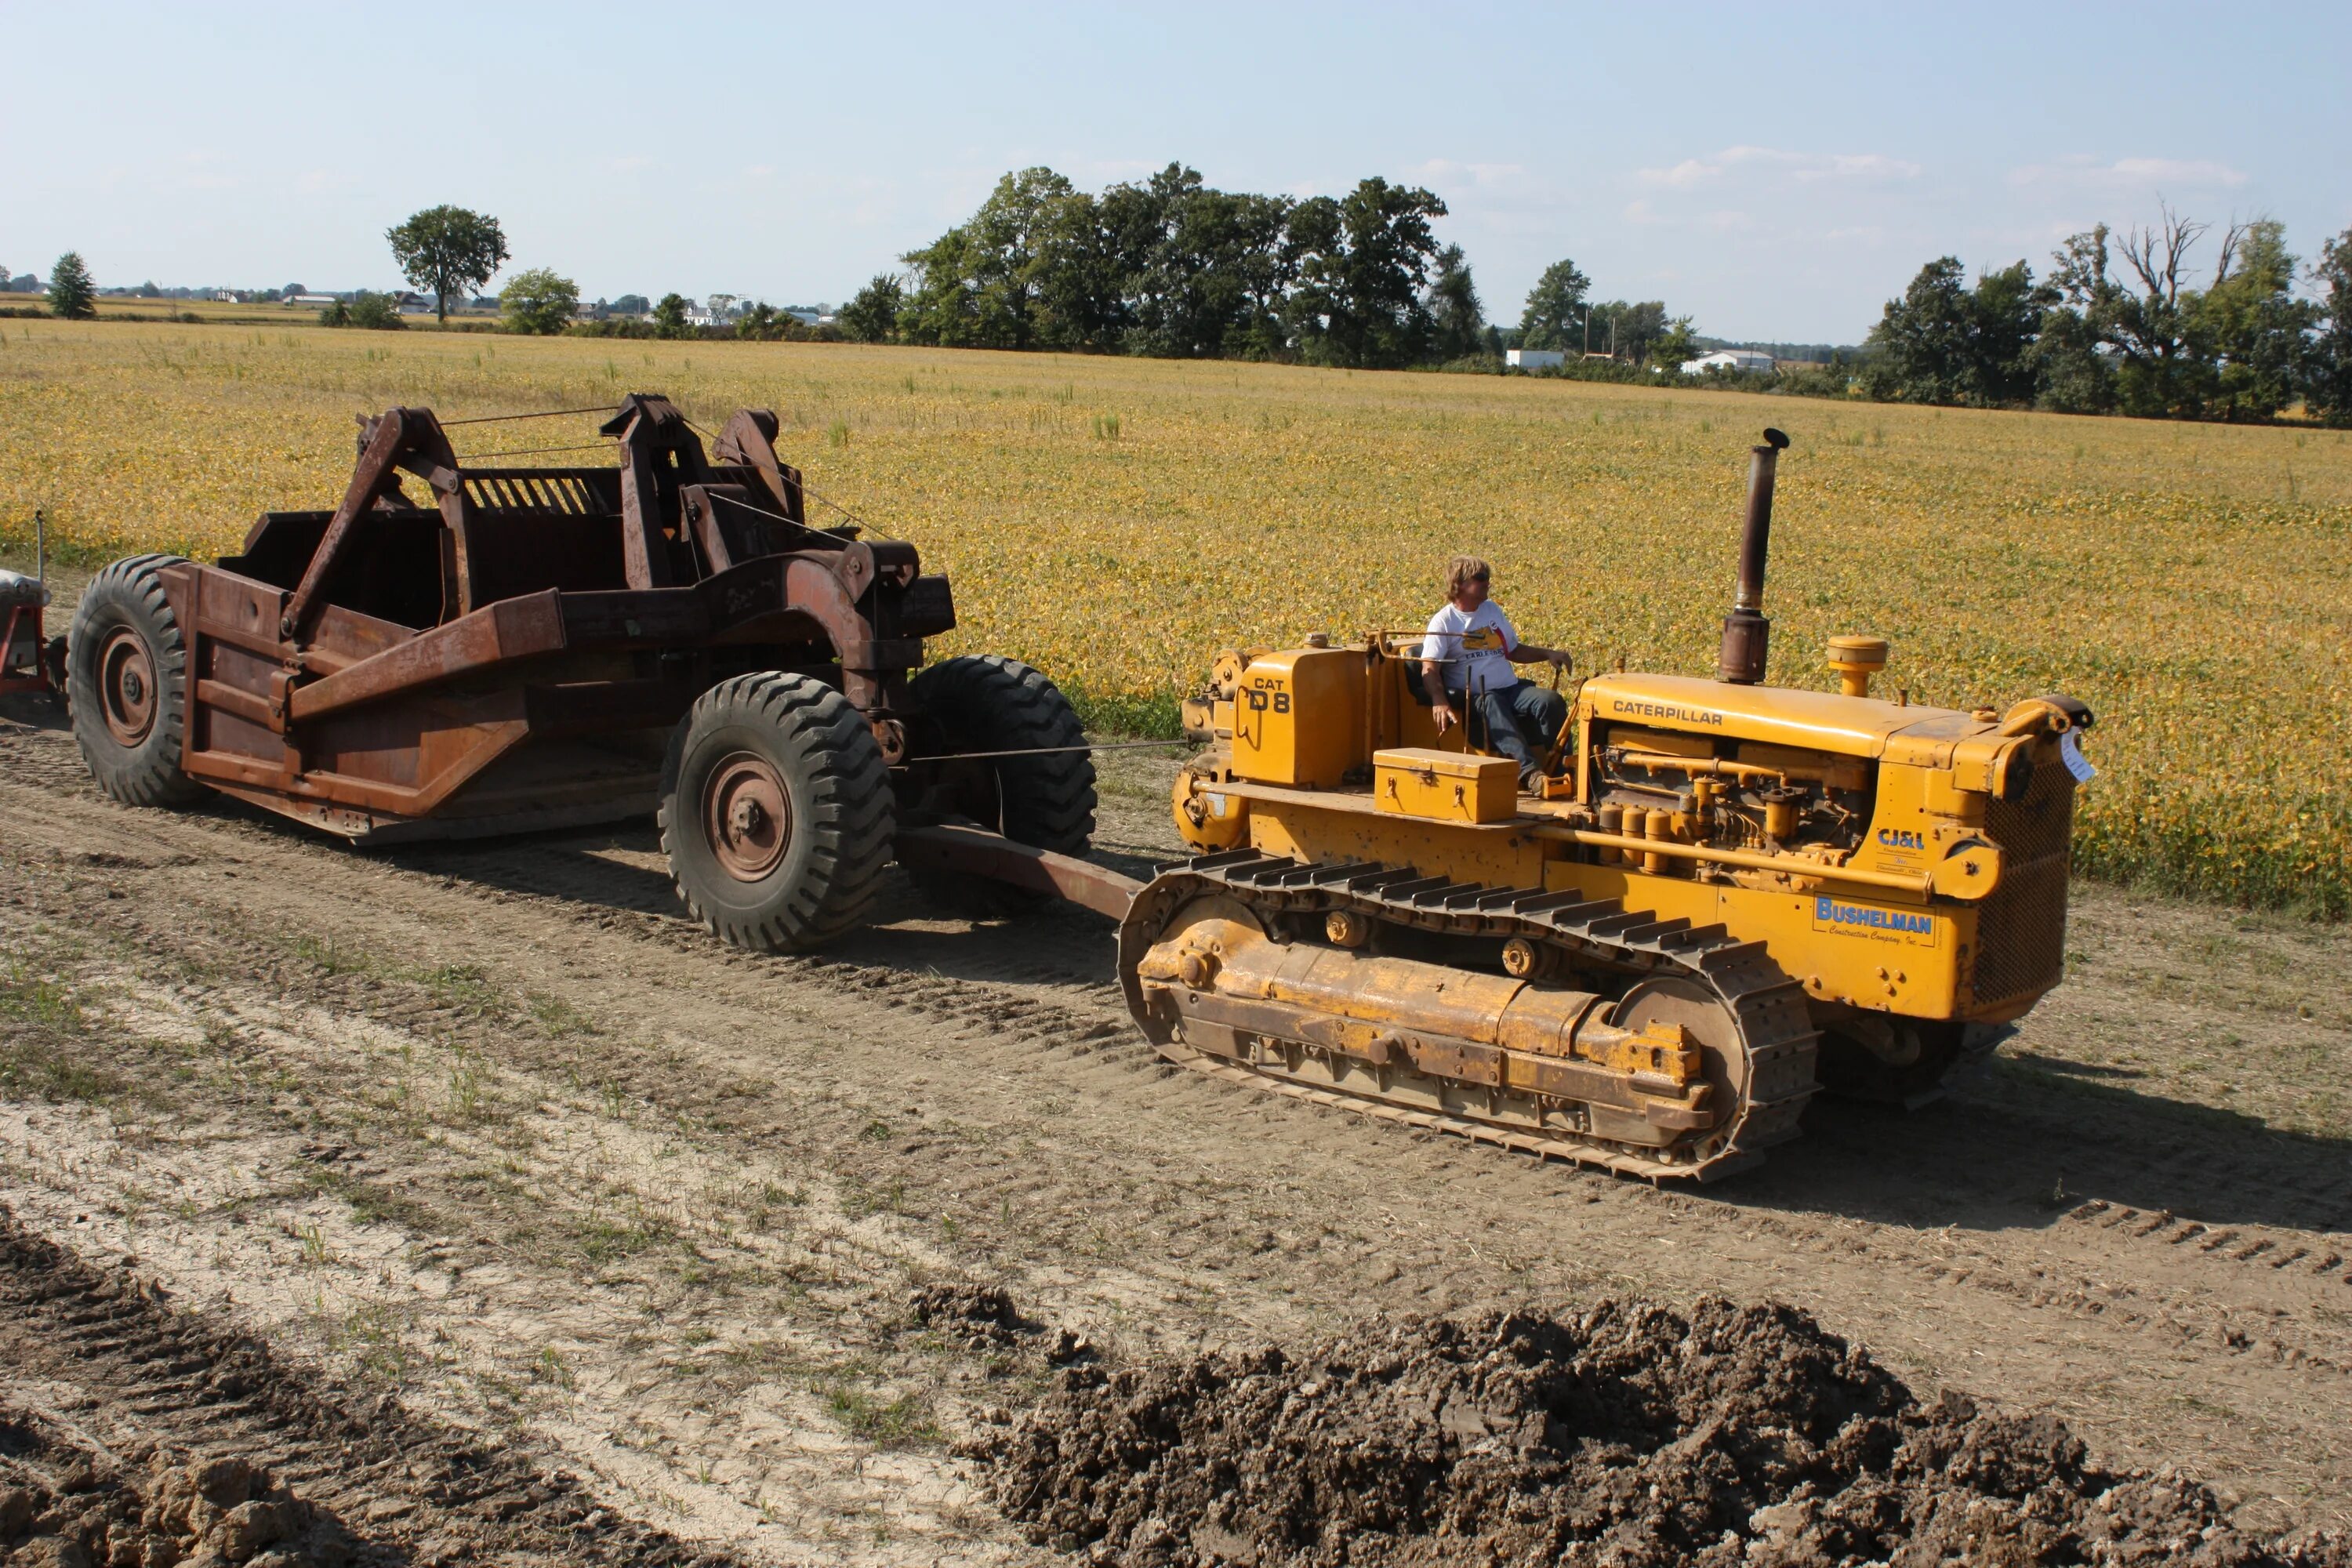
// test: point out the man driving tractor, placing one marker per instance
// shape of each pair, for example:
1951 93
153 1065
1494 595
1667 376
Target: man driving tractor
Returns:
1467 653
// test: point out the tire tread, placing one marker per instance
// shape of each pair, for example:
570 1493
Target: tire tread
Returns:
848 811
131 592
990 702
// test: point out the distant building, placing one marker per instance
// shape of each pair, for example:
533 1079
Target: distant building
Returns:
1534 358
1739 361
312 301
414 304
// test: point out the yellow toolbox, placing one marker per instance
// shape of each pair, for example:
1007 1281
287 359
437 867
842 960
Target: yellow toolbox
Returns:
1445 787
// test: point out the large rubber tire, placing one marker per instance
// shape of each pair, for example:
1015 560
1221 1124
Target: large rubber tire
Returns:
789 751
127 681
983 702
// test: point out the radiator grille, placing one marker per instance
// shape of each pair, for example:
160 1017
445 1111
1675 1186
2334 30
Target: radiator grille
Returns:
2021 929
2038 825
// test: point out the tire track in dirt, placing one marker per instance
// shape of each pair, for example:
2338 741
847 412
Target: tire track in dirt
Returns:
152 1373
1209 1212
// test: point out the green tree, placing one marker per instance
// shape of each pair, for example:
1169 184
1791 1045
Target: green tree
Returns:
2328 376
2072 373
760 324
873 316
1022 273
1205 272
1458 319
1554 317
1947 342
2252 324
1628 331
448 250
72 295
1363 263
539 301
1919 349
2146 327
1676 344
631 305
2005 317
377 313
670 317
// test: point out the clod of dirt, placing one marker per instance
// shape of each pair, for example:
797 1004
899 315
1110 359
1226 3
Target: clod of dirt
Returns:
1627 1435
983 1318
66 1501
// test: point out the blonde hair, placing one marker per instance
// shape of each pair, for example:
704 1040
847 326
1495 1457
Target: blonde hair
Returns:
1461 572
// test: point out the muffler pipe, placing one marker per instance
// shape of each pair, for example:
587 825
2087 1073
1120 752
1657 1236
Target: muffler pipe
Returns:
1747 631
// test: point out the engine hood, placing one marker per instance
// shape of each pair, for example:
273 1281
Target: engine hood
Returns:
1778 715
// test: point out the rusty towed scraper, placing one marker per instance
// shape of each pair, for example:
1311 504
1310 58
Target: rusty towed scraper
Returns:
543 647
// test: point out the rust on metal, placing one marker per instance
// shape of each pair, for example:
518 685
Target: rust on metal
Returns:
950 847
513 643
747 817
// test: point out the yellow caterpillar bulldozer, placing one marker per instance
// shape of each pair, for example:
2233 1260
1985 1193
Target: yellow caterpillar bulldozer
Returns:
1719 897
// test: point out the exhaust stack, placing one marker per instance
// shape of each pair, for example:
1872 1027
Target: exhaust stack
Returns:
1747 631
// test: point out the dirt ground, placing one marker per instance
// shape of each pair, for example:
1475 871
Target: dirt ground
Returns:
486 1139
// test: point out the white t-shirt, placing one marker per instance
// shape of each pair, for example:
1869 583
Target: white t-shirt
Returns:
1472 645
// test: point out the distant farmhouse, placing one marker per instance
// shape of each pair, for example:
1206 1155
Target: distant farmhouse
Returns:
1534 358
1740 362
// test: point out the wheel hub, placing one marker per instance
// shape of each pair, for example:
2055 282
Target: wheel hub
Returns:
747 817
126 687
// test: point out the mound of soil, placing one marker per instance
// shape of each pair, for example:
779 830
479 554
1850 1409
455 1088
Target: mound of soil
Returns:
1628 1437
66 1503
983 1318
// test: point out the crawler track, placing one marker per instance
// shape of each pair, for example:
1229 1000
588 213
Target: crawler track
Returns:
1776 1033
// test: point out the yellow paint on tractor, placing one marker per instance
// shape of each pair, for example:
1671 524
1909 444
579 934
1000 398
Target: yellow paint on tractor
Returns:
1895 875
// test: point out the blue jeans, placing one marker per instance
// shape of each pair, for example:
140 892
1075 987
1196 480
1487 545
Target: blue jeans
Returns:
1511 715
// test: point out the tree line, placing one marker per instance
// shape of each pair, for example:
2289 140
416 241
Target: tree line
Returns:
2123 323
1173 267
2129 323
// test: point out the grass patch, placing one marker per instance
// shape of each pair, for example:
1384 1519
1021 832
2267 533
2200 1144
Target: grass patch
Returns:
44 1040
335 957
904 1421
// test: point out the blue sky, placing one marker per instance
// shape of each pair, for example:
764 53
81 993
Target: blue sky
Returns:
1777 172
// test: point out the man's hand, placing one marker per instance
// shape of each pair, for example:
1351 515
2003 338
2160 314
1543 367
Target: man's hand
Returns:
1528 653
1443 714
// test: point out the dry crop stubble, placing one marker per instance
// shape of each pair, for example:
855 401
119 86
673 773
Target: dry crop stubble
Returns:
1116 520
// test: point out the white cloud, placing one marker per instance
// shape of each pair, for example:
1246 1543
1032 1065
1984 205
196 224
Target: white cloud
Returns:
1484 176
1804 166
1689 172
1861 166
2083 171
